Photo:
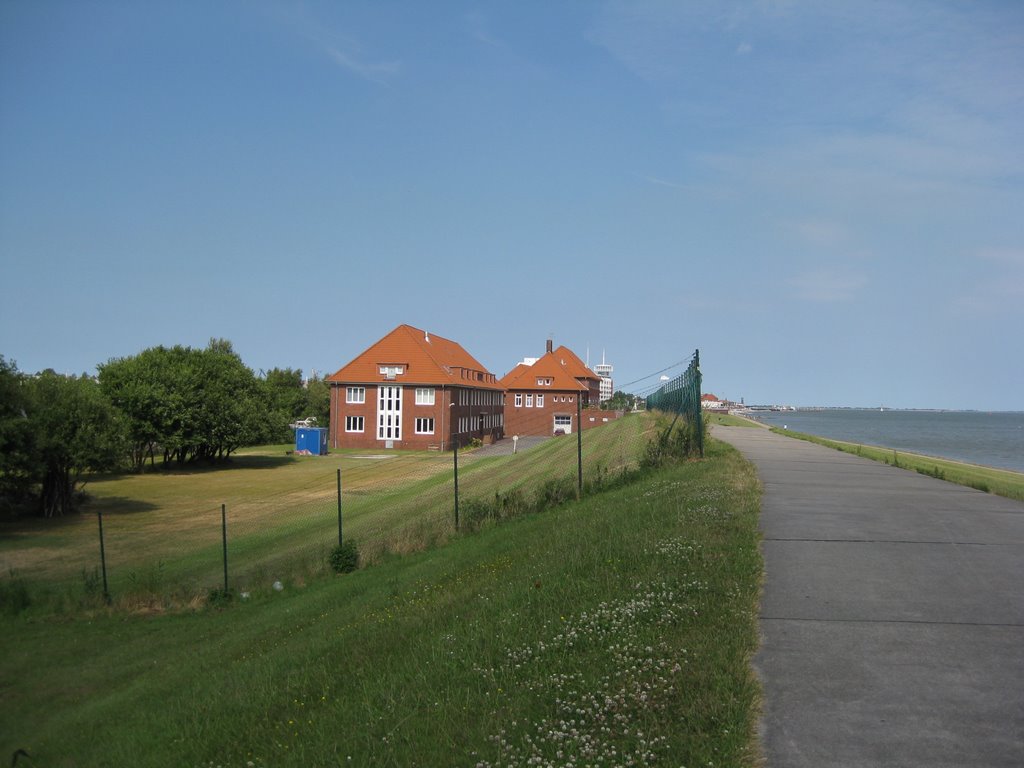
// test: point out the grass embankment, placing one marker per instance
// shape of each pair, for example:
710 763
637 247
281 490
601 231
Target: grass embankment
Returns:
729 420
163 529
617 630
1001 482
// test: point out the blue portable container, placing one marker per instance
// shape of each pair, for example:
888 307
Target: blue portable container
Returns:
312 439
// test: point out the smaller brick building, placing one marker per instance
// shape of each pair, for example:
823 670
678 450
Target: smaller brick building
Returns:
543 397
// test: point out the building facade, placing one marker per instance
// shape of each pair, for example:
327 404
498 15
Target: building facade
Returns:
604 370
546 395
414 390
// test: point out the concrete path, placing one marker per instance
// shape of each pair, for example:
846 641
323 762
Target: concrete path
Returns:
893 613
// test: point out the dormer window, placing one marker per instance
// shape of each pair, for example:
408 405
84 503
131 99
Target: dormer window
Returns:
544 382
389 372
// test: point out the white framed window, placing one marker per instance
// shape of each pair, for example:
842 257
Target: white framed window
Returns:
529 401
519 399
390 371
354 424
544 382
389 413
540 401
355 395
424 426
425 396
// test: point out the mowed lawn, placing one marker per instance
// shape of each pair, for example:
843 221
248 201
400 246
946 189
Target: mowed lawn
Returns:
163 535
613 631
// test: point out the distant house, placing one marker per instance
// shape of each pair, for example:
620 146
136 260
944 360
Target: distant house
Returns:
542 395
414 389
712 403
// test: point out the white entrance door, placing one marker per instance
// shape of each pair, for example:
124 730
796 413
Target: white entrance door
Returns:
389 413
563 423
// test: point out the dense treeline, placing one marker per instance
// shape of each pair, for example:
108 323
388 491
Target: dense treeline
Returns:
176 404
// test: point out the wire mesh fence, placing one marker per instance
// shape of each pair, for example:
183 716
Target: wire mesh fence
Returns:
271 520
682 397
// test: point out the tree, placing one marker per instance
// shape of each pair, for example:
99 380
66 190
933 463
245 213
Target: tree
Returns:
285 398
286 392
620 401
231 412
318 400
75 430
17 460
194 404
142 387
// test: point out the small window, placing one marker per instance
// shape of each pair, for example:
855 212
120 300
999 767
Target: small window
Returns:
424 426
355 395
540 401
424 396
529 401
353 423
519 399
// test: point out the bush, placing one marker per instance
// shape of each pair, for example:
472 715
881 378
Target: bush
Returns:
504 506
220 597
14 595
555 492
345 558
681 439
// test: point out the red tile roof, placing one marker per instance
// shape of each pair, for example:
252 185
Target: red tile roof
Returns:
524 377
425 358
574 365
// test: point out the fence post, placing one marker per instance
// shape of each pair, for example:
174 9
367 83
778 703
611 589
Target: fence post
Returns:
579 447
224 532
340 542
103 559
455 454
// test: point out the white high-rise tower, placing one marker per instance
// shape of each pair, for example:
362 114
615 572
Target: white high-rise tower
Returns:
604 370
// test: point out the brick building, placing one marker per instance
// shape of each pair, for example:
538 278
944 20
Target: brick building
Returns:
542 396
413 389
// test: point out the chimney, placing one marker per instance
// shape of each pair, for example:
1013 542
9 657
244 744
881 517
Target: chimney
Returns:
550 346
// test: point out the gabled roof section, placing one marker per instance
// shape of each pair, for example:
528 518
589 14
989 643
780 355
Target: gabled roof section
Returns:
573 364
411 356
524 377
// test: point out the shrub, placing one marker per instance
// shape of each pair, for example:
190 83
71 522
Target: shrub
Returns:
220 597
555 492
345 557
14 595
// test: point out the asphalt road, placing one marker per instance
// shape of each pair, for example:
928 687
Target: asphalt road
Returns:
892 617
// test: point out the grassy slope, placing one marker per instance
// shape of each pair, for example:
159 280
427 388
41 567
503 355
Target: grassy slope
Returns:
730 420
623 623
998 481
163 529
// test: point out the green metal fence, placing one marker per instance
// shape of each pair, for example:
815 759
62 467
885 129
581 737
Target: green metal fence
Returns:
681 396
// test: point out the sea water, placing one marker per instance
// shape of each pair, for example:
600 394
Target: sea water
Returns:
994 439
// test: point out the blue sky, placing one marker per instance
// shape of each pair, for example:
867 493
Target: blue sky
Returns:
827 199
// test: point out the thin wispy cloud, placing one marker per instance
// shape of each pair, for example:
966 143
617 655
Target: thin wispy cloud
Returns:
828 286
344 50
999 283
480 30
376 72
821 232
